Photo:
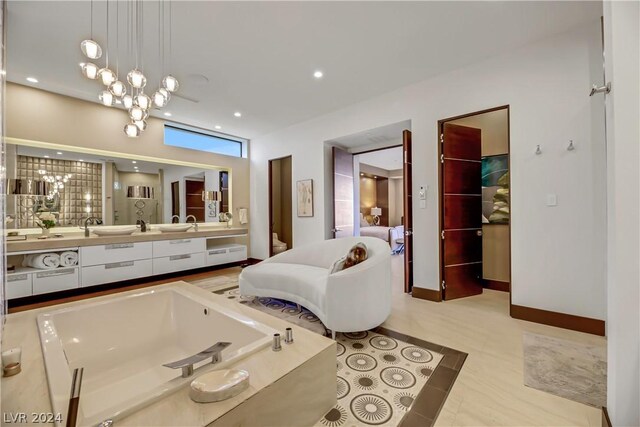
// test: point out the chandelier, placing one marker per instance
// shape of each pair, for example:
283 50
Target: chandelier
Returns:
57 181
130 92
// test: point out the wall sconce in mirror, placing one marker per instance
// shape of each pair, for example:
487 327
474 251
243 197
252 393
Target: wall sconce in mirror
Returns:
211 198
140 192
571 147
538 150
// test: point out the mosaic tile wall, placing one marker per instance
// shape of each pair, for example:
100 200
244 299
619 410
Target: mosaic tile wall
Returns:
85 178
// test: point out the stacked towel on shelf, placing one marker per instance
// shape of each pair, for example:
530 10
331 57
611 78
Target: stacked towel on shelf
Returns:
44 261
68 259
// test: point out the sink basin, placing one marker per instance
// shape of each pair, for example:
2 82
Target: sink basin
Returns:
167 228
123 230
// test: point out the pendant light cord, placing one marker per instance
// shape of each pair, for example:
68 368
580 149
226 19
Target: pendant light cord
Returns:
107 33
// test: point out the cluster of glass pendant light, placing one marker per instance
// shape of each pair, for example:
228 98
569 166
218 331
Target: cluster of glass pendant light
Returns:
134 100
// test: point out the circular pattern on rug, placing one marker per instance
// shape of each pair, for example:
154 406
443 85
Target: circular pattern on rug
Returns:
397 377
356 335
335 417
417 354
361 362
371 409
424 371
264 300
291 310
309 317
366 382
383 343
403 400
275 304
340 350
358 345
389 358
343 387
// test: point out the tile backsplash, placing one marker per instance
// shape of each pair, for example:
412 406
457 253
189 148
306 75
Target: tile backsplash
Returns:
80 197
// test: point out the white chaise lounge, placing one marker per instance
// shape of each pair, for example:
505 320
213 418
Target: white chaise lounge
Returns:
351 300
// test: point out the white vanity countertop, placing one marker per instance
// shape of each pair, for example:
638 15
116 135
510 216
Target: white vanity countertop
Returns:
76 238
27 392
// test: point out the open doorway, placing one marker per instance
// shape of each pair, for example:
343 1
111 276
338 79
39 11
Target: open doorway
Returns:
372 191
280 206
475 214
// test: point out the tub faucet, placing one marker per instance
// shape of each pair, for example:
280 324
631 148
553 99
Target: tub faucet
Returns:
74 399
195 221
214 352
176 217
88 221
143 225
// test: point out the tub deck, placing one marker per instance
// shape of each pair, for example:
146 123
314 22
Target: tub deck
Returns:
302 376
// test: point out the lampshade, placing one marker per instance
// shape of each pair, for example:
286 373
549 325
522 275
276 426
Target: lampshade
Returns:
139 192
376 211
210 196
28 187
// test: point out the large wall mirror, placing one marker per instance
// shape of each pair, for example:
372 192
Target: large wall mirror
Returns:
114 189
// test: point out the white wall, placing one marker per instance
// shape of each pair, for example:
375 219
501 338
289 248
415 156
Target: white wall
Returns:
622 47
558 253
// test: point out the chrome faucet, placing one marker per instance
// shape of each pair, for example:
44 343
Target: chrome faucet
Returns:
143 225
88 221
195 221
176 217
186 364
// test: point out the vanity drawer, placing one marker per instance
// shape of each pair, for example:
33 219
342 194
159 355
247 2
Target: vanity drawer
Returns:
178 263
115 272
165 248
54 280
18 285
226 254
107 254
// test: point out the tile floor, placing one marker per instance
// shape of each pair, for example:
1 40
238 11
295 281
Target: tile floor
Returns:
489 390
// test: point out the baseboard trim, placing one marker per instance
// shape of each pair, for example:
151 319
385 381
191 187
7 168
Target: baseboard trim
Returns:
428 294
606 421
560 320
497 285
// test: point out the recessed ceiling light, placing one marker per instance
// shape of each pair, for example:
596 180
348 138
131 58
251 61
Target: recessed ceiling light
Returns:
32 79
168 114
46 156
218 127
59 153
237 114
318 74
133 161
80 160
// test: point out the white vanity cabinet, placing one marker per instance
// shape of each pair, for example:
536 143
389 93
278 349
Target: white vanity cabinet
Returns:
18 285
225 254
179 254
57 279
116 262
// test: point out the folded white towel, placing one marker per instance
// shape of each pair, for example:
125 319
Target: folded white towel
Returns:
68 258
46 261
243 215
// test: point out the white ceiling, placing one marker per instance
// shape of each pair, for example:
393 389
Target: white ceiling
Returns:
389 159
258 57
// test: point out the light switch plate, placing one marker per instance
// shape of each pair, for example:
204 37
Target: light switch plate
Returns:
552 200
423 204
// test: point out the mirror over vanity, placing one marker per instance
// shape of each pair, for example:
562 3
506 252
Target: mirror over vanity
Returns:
67 187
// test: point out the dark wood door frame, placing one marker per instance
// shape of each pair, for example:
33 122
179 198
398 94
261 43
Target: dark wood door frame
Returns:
270 195
441 192
407 206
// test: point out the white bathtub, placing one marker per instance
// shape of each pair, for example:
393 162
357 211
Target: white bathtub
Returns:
123 342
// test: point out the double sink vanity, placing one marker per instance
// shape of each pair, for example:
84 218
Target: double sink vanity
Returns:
113 257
